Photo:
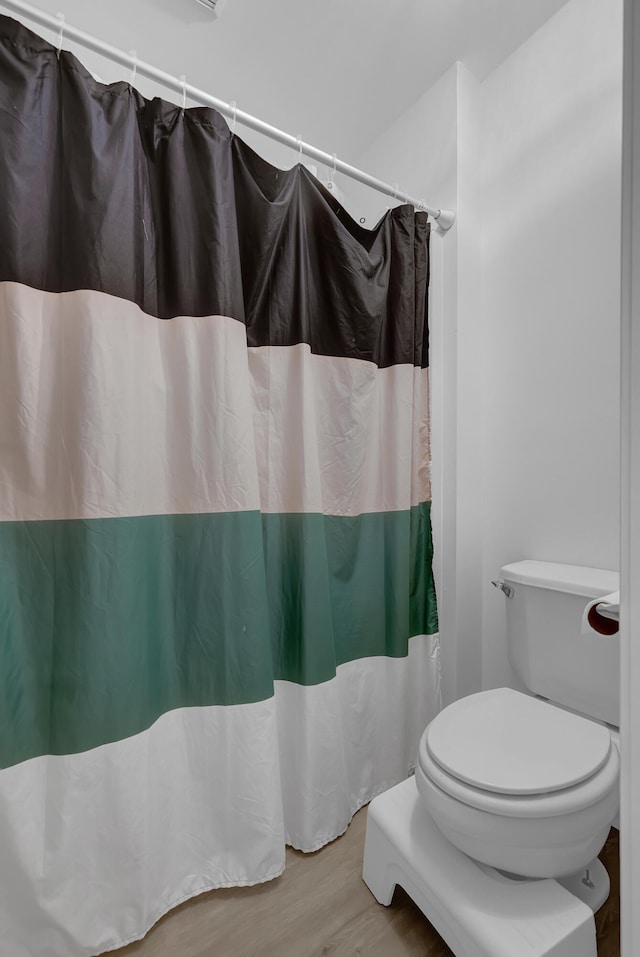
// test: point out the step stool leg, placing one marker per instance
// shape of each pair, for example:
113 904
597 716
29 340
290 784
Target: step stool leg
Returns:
379 868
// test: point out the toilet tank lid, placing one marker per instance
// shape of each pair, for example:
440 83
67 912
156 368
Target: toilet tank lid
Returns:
572 579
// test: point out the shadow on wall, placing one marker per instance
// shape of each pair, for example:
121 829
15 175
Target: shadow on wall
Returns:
556 158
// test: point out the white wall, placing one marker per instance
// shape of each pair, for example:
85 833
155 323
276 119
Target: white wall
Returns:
552 125
525 317
630 551
419 151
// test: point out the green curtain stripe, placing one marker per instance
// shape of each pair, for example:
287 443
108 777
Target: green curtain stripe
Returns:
109 623
342 588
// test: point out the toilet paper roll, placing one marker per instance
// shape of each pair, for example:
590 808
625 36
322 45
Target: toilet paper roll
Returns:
602 615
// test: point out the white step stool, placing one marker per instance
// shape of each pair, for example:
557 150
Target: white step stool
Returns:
475 909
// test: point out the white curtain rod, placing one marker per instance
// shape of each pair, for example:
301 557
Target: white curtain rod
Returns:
443 217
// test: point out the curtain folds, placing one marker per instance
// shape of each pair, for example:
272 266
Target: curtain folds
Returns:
218 625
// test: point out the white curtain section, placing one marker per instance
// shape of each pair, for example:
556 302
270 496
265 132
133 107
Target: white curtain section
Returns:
346 740
78 363
97 846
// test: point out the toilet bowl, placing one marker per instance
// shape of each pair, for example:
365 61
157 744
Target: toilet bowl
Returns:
519 784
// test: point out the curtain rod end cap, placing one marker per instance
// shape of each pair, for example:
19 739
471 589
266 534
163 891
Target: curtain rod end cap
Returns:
445 219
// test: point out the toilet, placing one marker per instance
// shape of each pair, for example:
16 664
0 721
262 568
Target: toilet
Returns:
514 787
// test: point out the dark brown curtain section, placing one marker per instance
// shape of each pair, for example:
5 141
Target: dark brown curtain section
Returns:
169 210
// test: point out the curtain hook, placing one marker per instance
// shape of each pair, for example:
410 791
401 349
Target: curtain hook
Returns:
299 139
134 65
395 195
332 174
183 82
61 18
234 111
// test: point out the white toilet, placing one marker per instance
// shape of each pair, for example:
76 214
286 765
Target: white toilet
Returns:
524 786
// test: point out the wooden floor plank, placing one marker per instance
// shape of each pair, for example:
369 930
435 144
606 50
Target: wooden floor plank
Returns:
608 917
320 907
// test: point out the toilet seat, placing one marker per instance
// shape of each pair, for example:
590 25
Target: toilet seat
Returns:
513 755
529 832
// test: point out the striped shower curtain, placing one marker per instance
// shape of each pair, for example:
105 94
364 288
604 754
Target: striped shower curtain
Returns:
217 612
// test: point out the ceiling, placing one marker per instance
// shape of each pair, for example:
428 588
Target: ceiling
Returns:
337 72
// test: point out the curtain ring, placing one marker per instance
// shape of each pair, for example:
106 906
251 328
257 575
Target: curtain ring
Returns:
234 111
299 139
134 65
61 18
183 81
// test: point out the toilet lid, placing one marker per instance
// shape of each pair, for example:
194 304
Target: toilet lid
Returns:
508 742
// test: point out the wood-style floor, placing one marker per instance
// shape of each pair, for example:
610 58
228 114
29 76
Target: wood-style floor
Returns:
608 917
320 907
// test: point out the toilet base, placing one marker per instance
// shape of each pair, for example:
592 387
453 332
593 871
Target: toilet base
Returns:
475 909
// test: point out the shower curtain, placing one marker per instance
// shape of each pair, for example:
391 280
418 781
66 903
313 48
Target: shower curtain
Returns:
218 629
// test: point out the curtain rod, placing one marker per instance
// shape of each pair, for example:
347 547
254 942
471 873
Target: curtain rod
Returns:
443 217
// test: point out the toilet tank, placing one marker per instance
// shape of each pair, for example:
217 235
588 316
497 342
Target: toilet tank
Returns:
546 647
